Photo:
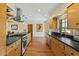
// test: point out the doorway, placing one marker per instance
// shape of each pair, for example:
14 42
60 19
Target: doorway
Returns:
30 29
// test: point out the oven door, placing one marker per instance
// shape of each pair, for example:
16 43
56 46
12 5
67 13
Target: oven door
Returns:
24 44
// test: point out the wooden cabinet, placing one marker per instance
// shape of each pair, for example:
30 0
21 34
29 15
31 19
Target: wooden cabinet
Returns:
70 52
57 47
3 21
73 16
2 29
11 9
60 49
53 23
14 49
2 51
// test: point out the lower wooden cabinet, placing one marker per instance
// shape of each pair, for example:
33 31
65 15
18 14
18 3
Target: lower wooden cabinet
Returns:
57 47
14 49
12 53
70 51
2 52
60 49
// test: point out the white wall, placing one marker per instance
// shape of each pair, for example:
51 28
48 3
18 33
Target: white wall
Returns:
38 34
21 26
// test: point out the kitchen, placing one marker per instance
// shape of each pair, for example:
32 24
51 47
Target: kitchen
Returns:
55 32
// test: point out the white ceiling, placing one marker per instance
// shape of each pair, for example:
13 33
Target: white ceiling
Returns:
33 14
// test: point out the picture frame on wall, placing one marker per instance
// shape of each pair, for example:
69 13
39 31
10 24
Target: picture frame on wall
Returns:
14 27
39 27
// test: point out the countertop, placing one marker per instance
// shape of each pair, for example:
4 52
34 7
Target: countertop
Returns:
70 42
13 38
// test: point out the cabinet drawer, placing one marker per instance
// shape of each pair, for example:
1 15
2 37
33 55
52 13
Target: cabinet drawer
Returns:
11 53
10 47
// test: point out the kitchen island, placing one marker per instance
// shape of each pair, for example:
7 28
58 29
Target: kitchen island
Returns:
17 44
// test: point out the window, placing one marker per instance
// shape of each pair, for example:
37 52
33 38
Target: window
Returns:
63 25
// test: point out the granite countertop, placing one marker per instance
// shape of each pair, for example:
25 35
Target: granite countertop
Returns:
12 39
70 42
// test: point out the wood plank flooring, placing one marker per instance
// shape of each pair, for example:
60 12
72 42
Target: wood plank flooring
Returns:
38 47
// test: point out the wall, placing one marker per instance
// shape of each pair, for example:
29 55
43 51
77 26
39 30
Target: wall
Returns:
38 34
21 26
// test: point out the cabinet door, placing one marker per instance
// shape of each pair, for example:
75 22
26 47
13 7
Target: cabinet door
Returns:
53 23
70 52
18 47
19 50
57 47
60 48
73 16
11 53
3 52
2 28
14 49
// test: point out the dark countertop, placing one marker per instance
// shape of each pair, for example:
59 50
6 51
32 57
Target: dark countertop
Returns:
70 42
13 38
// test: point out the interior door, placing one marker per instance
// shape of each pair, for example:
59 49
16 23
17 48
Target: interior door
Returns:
30 29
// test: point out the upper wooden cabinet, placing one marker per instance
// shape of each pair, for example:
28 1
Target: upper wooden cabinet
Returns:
2 29
53 23
73 16
11 10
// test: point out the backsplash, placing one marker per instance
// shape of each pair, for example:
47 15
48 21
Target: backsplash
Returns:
74 32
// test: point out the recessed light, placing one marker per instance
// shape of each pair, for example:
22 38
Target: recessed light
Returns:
38 10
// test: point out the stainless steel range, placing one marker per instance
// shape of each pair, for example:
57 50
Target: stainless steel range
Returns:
24 44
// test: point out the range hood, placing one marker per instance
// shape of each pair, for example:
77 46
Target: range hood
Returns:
18 15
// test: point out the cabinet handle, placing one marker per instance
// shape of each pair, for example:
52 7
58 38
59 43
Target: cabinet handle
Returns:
77 23
64 47
16 49
64 54
72 53
11 46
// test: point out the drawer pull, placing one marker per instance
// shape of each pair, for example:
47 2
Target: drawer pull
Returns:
77 23
16 49
72 53
11 46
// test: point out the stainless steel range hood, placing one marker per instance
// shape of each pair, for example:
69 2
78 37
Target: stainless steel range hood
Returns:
18 15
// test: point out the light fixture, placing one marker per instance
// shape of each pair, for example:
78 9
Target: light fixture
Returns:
38 10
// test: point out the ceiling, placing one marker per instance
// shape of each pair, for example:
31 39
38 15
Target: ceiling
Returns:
38 12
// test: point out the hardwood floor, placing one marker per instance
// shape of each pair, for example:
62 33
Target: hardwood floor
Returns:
38 47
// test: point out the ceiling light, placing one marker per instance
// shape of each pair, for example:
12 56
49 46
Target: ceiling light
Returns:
38 10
